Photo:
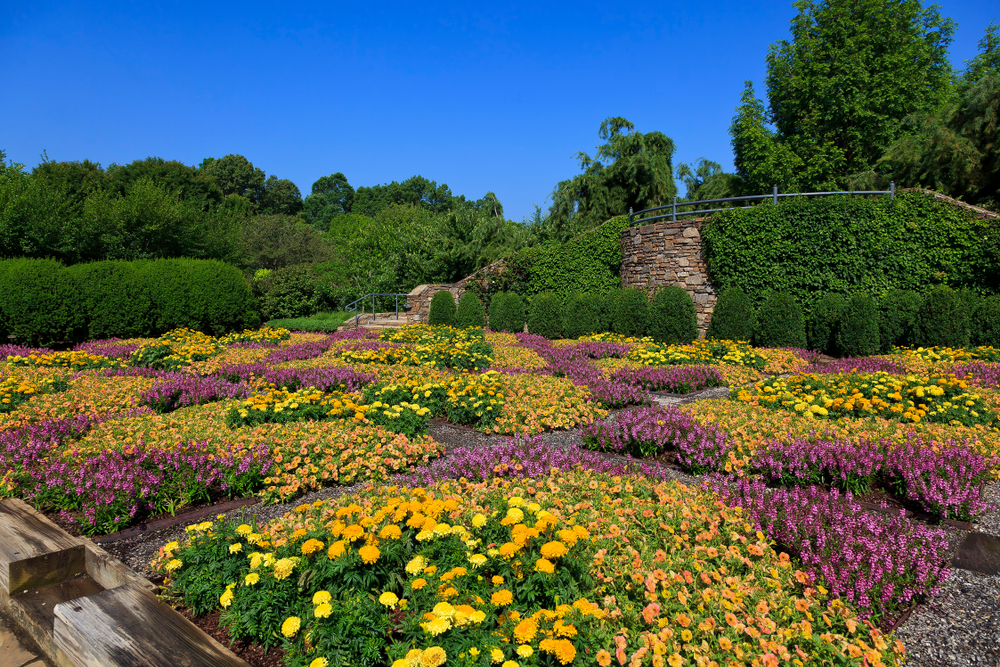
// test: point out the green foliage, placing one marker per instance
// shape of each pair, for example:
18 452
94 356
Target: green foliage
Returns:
672 316
761 159
470 312
325 321
732 317
289 292
821 327
858 331
606 308
581 316
632 170
442 309
986 325
811 246
779 322
219 298
39 303
276 241
507 313
167 284
545 316
898 311
116 301
331 196
942 320
631 313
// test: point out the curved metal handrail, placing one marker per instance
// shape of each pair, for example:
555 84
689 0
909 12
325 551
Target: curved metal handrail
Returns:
352 307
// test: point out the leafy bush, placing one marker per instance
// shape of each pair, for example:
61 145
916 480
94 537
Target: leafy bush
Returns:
116 301
972 301
581 316
986 326
857 333
166 281
821 330
606 309
942 320
470 312
779 322
898 311
672 316
545 316
289 292
442 309
507 312
39 302
631 313
847 245
220 299
732 317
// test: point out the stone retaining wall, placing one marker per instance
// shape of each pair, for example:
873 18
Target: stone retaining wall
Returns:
669 253
419 300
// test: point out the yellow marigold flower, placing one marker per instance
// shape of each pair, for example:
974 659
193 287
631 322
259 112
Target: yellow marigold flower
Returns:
510 663
545 565
243 530
478 616
173 564
226 598
319 597
388 599
291 626
336 550
416 566
444 610
283 568
502 597
425 535
235 548
323 611
391 532
525 631
496 655
554 550
525 651
253 538
563 649
437 626
479 520
311 546
497 580
477 560
353 532
369 553
516 514
251 579
319 662
434 656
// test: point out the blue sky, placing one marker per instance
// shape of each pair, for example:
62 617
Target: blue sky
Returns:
484 96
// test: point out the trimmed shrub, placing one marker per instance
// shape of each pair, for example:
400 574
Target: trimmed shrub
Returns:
442 310
857 333
972 301
220 298
779 322
631 313
732 317
987 323
897 317
166 281
606 309
545 316
470 312
581 316
115 300
942 320
39 300
507 313
821 330
672 316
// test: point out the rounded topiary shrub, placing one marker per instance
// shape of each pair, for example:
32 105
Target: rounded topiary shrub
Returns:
821 327
442 310
631 313
545 316
116 301
986 326
220 298
581 316
166 281
605 304
972 301
732 317
942 320
40 302
857 333
470 312
779 322
672 316
507 313
897 318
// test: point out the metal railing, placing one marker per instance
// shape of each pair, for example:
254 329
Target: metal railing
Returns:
352 307
774 196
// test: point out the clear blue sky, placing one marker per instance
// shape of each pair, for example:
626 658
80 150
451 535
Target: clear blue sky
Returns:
481 96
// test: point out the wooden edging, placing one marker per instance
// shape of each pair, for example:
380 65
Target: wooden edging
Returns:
172 521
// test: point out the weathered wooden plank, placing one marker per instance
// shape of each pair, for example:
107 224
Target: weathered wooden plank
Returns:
34 552
40 603
128 626
110 572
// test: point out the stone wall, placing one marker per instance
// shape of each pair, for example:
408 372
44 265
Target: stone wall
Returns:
419 299
669 253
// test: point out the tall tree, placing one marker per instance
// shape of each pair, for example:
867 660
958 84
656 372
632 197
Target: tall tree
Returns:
235 175
281 197
706 180
188 183
838 90
331 196
631 170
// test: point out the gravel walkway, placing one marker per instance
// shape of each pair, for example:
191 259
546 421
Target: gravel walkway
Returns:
959 627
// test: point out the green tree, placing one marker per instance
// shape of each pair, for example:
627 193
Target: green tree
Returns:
235 175
631 170
761 159
706 180
281 197
331 196
189 184
277 241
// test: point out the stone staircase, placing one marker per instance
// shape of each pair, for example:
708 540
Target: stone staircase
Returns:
379 321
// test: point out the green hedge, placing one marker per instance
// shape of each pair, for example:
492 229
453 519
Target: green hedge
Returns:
581 316
630 316
442 309
732 317
545 316
470 312
857 333
811 246
40 303
116 301
779 322
672 316
507 313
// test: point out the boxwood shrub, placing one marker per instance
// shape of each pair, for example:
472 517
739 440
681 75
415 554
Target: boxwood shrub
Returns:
442 309
897 318
469 312
672 316
507 312
942 319
821 328
732 317
581 316
631 313
115 300
545 316
857 333
40 303
779 322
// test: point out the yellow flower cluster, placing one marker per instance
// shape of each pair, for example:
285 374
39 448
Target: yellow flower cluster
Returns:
935 354
266 335
609 337
15 391
910 398
73 360
725 352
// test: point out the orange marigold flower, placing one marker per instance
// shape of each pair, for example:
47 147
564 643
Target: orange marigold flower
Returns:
391 532
554 550
336 550
545 565
369 553
311 546
353 532
502 597
525 631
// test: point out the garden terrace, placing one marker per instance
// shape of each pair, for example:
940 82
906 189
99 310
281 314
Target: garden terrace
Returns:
524 462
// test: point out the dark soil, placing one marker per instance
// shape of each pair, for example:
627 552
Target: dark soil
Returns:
252 653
